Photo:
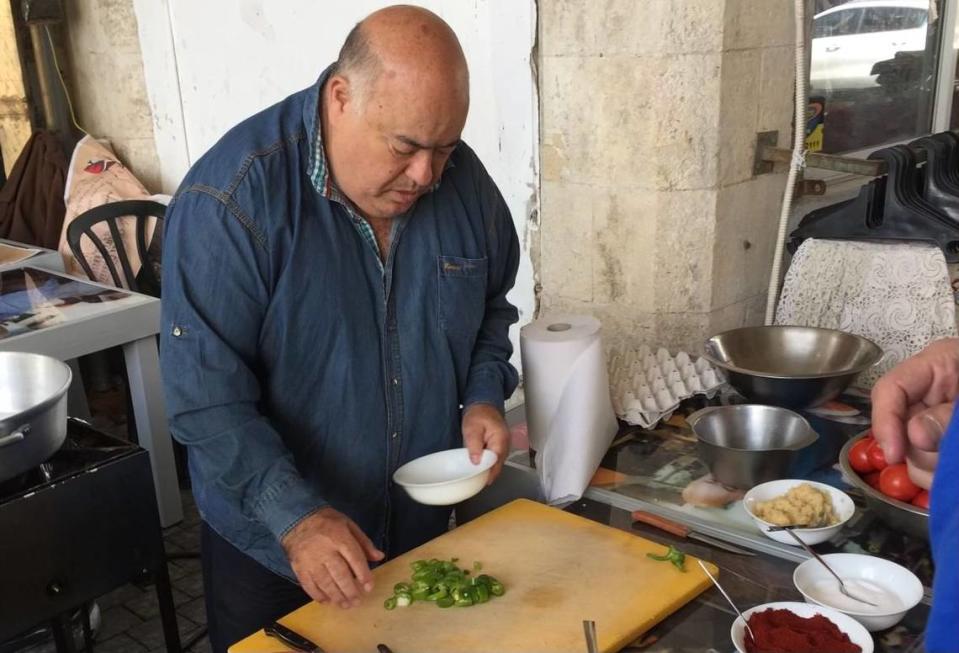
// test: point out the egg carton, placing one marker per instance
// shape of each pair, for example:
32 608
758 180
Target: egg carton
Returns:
648 386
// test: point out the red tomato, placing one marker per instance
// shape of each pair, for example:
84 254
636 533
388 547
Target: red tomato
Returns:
859 457
894 482
921 499
877 457
872 478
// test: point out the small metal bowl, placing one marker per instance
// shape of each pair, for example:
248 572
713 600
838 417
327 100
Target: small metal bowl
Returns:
745 446
791 366
898 515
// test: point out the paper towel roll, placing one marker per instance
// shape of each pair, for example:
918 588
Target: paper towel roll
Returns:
568 409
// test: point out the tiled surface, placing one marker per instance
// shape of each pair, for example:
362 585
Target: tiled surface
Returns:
131 615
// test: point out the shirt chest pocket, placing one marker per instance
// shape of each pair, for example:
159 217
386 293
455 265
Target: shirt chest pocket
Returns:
462 294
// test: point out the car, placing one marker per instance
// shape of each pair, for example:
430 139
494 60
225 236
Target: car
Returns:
849 39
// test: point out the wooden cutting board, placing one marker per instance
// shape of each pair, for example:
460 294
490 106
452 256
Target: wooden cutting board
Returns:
558 569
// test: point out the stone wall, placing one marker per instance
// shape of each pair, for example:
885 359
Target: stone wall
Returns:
650 216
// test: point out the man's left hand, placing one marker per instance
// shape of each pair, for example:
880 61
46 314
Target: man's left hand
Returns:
485 428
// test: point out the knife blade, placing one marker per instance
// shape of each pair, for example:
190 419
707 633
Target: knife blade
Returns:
291 638
681 531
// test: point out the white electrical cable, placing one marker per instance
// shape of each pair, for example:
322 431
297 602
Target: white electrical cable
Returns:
797 163
63 83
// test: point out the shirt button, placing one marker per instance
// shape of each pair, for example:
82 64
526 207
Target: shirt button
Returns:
177 331
396 381
394 435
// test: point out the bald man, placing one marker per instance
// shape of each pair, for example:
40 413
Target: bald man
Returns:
334 305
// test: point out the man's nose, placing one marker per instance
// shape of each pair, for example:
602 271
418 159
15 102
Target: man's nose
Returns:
420 169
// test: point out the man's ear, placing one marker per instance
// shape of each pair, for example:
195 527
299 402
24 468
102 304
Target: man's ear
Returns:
339 93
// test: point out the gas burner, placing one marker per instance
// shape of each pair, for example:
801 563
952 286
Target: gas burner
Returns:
83 450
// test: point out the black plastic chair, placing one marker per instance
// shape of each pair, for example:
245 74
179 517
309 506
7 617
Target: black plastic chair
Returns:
146 280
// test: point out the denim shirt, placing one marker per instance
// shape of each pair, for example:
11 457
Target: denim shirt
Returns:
299 370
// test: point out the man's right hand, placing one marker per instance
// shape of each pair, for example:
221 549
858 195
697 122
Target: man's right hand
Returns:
329 554
912 405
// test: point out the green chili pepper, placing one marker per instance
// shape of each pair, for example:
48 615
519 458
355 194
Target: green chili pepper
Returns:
673 555
438 594
445 602
444 583
482 593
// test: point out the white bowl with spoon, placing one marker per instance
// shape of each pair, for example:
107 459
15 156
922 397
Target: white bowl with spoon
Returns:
894 589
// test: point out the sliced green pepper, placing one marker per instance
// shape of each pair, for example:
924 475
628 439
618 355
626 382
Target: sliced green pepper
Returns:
482 593
673 555
438 594
444 583
445 602
421 595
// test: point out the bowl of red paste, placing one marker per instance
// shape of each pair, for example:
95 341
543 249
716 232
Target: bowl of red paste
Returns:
790 627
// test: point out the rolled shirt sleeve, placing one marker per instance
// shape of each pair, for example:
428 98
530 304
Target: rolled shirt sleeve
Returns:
216 291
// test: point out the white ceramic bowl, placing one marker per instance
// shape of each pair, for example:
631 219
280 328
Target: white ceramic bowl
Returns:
841 502
897 581
857 634
445 477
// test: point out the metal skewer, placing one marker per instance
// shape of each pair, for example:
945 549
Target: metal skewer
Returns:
720 588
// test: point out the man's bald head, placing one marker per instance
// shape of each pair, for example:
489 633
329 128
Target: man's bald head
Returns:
407 44
394 109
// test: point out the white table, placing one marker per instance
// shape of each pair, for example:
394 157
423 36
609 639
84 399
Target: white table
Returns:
39 257
69 330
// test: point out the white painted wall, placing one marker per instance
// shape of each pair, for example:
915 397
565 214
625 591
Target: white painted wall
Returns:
210 64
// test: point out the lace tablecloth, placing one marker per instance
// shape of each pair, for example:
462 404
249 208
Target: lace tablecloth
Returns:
899 295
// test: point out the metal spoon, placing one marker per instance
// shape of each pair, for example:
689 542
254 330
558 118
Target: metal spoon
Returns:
842 585
720 588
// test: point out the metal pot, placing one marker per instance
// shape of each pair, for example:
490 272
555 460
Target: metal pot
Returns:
744 446
33 410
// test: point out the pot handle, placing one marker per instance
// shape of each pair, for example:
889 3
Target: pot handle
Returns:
14 437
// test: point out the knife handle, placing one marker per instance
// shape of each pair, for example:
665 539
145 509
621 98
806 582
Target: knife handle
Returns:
661 523
291 638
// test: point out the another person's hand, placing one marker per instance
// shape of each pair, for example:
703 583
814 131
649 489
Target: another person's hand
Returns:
912 405
485 428
329 554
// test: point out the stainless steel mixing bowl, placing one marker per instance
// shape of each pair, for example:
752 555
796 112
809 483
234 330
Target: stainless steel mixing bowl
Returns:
898 515
746 445
791 366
